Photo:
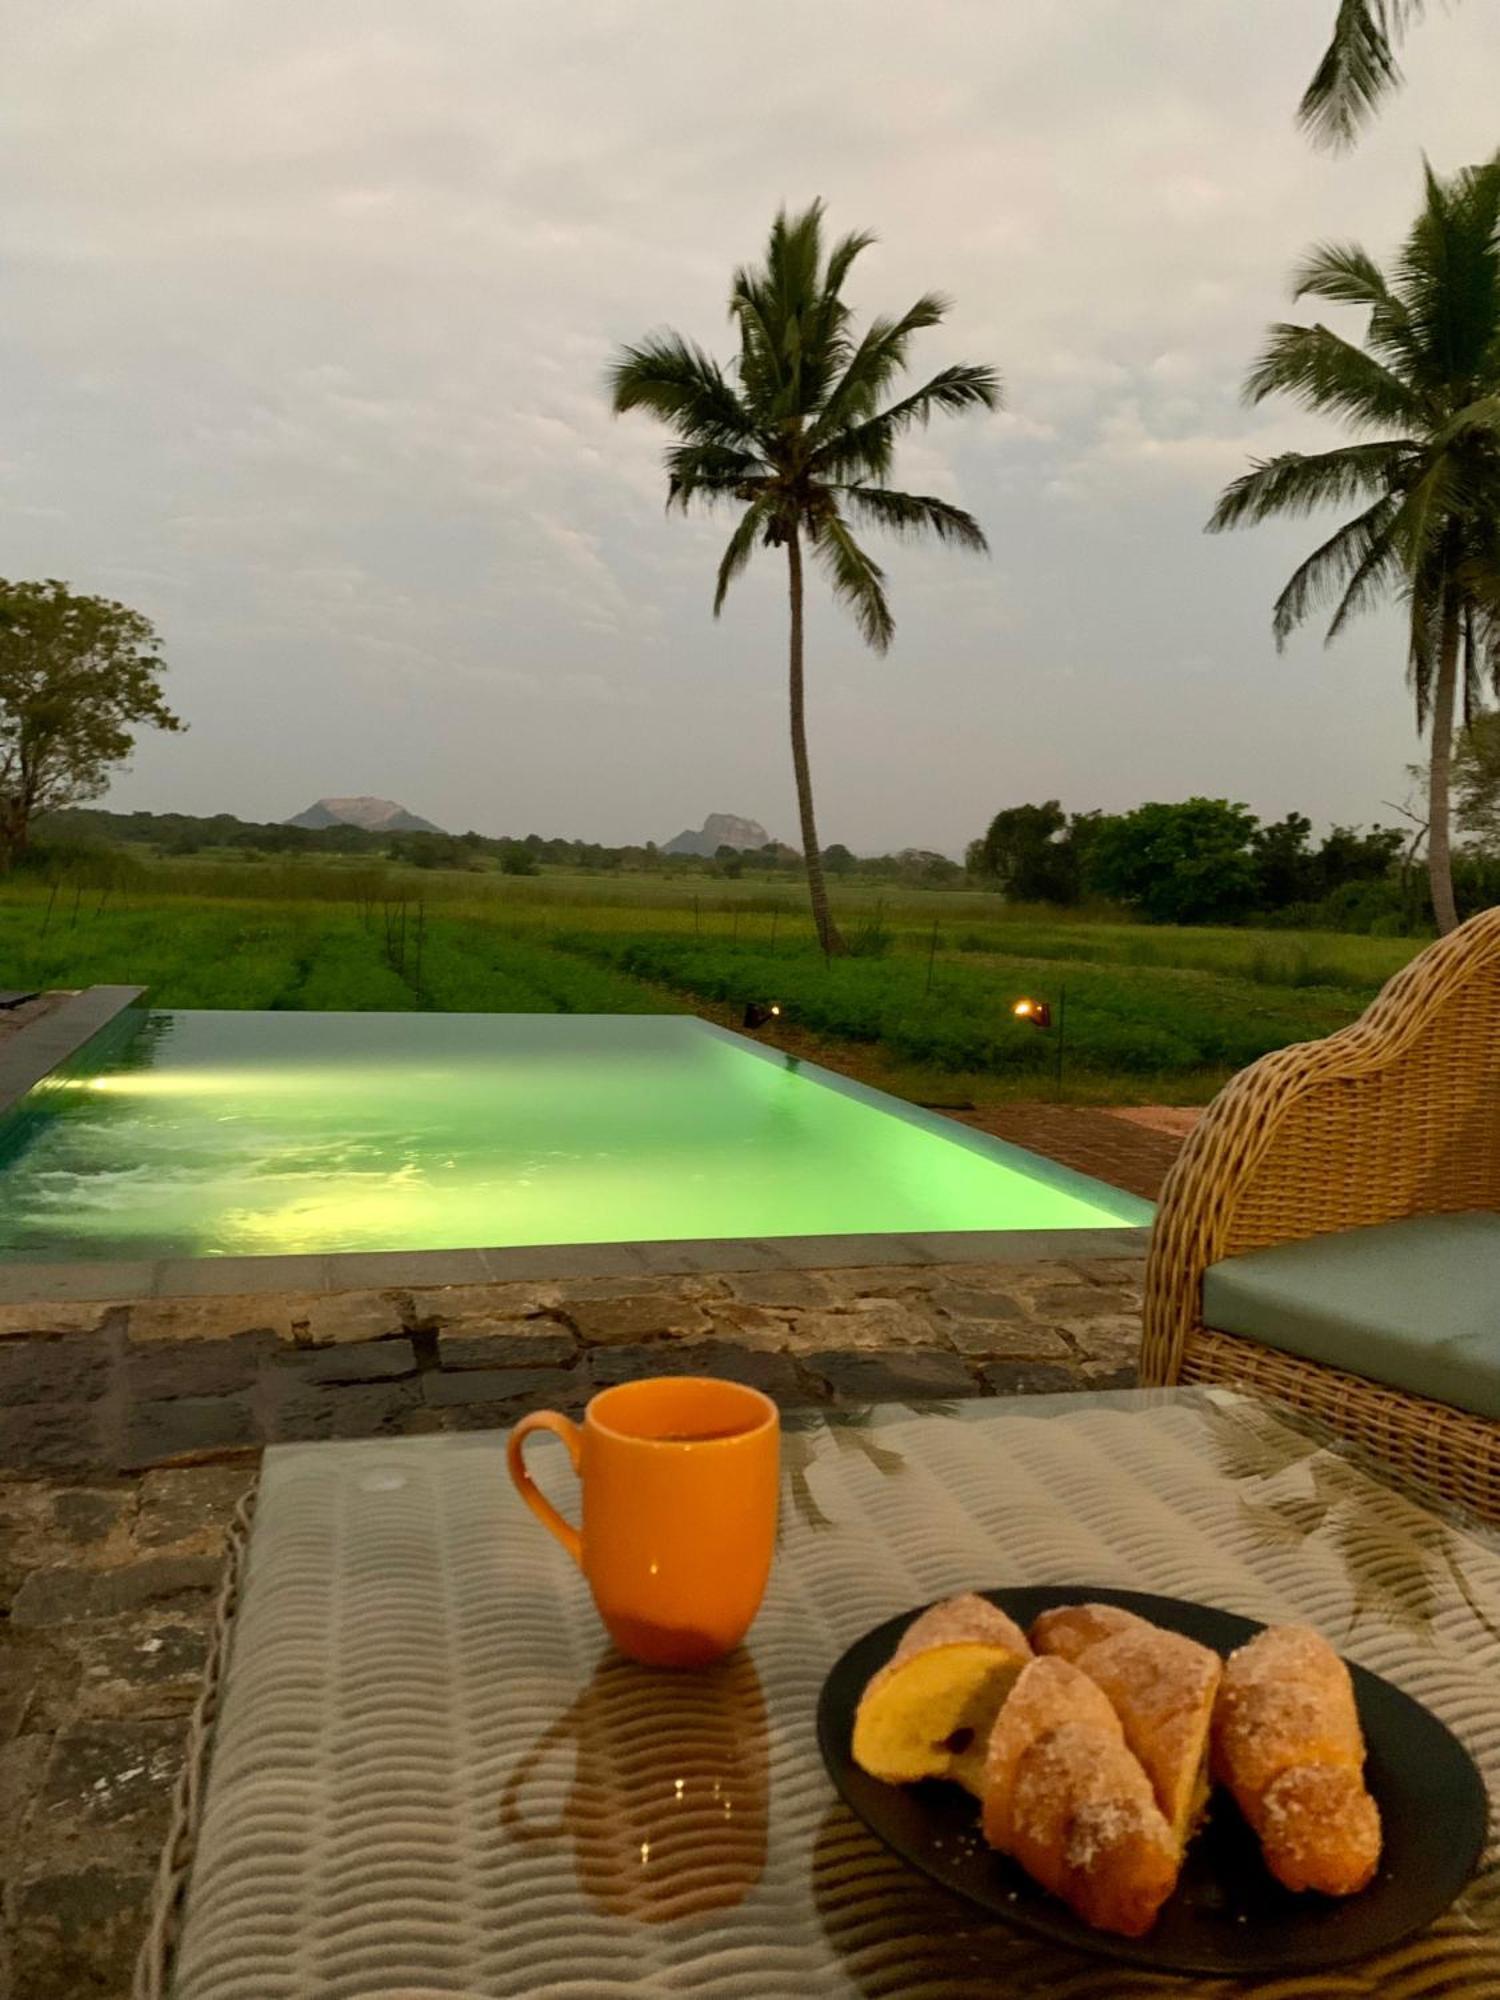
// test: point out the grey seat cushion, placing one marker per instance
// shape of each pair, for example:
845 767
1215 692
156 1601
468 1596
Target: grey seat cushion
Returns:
1415 1304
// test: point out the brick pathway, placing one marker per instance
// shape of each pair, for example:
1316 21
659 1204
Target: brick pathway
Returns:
1111 1145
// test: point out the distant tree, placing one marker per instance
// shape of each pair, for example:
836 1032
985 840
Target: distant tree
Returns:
1289 870
1347 856
795 434
1423 397
839 860
339 839
1189 863
923 868
431 850
1083 835
79 676
1026 850
1286 870
518 859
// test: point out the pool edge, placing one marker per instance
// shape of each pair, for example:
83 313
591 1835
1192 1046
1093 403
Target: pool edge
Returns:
42 1046
374 1270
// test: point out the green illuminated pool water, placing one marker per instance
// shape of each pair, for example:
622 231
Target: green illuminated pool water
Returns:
239 1134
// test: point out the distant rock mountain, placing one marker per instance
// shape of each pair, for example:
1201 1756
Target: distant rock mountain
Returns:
374 815
719 830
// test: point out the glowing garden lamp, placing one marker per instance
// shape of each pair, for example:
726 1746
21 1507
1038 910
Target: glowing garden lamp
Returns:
1038 1014
759 1012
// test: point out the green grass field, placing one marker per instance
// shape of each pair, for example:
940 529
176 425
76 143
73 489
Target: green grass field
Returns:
923 1007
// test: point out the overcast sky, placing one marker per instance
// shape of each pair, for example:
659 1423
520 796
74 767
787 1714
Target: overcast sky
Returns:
304 312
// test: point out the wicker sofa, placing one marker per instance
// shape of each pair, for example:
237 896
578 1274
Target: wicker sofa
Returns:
1396 1116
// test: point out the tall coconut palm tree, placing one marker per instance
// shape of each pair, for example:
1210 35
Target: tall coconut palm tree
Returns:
1423 396
1358 68
795 432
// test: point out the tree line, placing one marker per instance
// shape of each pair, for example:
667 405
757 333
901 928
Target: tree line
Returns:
64 835
1203 860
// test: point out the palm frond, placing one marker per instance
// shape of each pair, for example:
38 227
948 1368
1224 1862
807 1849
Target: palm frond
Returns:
1357 70
1472 676
914 515
760 357
1424 643
1328 571
1448 275
710 472
1326 373
749 529
1347 275
675 380
841 258
1476 422
1478 578
866 449
791 316
1377 573
1343 273
1425 527
858 581
1296 482
877 359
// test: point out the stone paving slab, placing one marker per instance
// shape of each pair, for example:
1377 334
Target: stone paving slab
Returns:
106 1593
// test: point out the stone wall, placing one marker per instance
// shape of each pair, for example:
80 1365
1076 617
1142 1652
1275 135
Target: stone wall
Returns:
161 1381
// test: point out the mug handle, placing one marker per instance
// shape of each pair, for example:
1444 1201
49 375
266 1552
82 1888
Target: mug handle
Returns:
512 1818
537 1501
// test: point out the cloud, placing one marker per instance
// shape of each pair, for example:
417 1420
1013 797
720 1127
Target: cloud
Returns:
1139 446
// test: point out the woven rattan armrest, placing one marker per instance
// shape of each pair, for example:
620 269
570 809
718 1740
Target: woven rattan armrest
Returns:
1398 1114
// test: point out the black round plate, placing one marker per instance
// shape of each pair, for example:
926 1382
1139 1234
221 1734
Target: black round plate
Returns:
1229 1915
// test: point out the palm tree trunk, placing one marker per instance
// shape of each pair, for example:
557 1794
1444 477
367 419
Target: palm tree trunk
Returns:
817 889
1439 846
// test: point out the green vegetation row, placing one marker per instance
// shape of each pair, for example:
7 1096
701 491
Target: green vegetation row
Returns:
1149 1010
268 956
955 1015
736 911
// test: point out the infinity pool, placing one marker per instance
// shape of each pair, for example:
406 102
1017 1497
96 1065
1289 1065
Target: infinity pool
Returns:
242 1134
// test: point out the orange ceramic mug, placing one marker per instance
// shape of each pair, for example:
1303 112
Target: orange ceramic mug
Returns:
680 1478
